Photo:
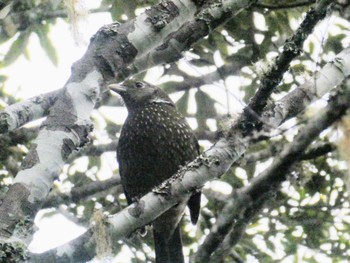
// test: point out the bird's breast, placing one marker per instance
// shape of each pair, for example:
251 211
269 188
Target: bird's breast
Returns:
155 141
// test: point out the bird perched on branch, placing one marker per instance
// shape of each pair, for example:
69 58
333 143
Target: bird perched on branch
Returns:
154 143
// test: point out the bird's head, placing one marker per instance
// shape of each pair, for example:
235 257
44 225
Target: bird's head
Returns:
138 94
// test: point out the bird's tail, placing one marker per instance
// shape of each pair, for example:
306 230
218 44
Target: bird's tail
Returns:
168 251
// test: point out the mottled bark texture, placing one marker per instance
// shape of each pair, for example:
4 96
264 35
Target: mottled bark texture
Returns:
68 124
292 48
113 54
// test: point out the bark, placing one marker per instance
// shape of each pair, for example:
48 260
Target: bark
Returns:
67 126
68 123
210 17
210 165
18 114
166 45
294 102
233 219
291 49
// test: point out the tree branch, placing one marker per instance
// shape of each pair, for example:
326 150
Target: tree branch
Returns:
68 123
313 152
209 165
295 101
291 49
21 113
285 6
78 193
258 191
210 17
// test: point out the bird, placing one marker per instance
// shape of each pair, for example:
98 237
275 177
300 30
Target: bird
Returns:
155 141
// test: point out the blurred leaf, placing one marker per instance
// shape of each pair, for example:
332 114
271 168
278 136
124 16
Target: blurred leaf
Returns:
239 28
311 47
201 62
79 179
16 49
249 91
122 7
89 208
270 245
45 42
182 103
105 3
298 68
26 54
3 78
316 184
284 87
342 27
334 43
205 109
290 246
94 162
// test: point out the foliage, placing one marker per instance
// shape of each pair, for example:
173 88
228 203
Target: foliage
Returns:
308 218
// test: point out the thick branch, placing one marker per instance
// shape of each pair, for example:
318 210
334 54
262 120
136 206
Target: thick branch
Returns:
21 113
294 102
212 164
68 124
210 17
79 193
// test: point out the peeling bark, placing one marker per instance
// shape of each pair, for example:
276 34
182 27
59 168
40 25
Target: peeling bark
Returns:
237 210
295 101
68 124
21 113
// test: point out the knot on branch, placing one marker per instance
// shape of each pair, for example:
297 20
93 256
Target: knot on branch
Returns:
207 161
292 47
31 159
4 121
164 188
13 252
24 227
107 30
112 49
162 14
82 131
137 209
92 93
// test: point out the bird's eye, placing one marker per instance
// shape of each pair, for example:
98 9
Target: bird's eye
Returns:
138 85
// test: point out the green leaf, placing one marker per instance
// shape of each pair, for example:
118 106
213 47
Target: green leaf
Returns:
3 78
121 7
182 103
46 43
334 43
311 47
89 208
201 62
205 108
17 48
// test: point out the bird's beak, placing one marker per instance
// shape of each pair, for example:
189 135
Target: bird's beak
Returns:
118 88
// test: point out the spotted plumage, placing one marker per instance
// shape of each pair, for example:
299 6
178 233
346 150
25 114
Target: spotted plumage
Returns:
155 141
